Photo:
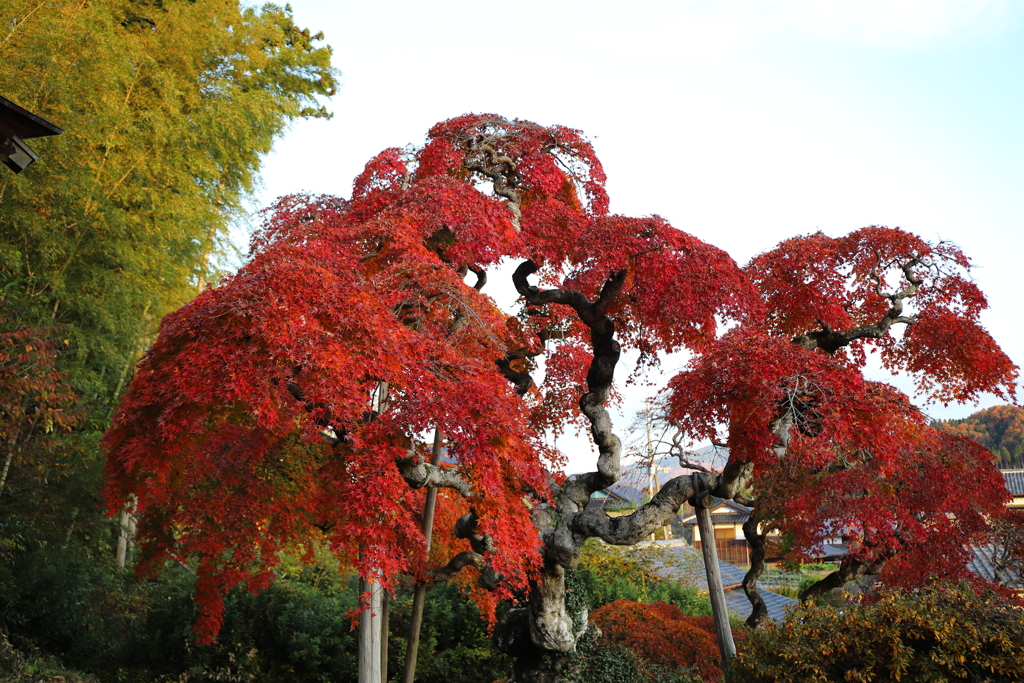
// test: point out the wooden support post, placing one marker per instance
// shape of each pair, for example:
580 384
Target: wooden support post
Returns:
701 502
385 618
369 633
125 532
419 595
122 537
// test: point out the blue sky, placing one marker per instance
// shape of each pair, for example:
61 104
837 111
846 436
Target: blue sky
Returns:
741 122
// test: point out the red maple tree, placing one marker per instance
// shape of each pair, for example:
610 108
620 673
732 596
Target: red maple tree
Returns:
291 402
819 451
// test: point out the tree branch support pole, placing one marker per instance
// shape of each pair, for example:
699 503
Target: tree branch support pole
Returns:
420 593
385 618
702 500
125 532
7 467
369 632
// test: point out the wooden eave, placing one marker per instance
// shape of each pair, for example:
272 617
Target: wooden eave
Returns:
15 120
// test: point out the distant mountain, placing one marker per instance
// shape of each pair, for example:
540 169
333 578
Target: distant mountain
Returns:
634 483
999 429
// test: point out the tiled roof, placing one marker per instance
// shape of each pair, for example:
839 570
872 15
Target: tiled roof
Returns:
1014 481
721 518
726 512
736 601
830 552
982 563
606 500
688 568
686 565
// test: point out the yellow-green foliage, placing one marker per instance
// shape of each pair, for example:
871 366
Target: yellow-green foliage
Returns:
942 633
612 573
167 107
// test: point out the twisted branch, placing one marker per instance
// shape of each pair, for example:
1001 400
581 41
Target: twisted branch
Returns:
829 341
420 474
501 169
757 551
467 558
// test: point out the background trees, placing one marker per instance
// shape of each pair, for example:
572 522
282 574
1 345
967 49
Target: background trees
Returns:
999 429
167 109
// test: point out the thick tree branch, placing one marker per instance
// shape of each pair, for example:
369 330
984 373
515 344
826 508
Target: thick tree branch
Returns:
468 527
757 550
520 378
565 541
467 558
830 341
735 477
481 277
849 569
420 474
635 527
501 169
599 376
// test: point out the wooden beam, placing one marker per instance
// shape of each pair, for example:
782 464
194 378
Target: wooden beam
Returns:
369 632
723 631
419 595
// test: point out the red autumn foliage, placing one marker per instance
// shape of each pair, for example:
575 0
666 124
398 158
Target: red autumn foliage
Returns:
832 453
251 424
661 634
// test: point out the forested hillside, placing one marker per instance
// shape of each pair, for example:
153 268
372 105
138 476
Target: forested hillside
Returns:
167 109
999 429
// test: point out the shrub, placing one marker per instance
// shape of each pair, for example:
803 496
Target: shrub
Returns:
667 641
602 660
611 574
64 604
940 633
455 644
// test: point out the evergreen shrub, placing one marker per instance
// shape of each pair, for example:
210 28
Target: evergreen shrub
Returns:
941 633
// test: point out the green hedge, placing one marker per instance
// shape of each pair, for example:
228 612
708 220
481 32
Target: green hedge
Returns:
88 615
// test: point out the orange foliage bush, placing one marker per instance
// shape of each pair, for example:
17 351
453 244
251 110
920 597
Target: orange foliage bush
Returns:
661 634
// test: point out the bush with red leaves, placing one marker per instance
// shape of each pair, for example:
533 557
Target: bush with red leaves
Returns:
662 636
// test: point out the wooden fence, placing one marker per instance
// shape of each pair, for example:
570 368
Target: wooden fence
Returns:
732 550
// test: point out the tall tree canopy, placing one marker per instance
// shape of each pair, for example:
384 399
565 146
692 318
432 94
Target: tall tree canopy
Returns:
167 108
827 453
291 403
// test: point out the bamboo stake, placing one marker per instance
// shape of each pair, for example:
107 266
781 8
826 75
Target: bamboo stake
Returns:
385 618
